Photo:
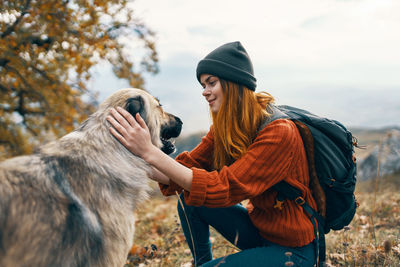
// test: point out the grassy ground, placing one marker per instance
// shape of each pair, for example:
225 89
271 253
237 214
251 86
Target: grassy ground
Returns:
373 238
159 240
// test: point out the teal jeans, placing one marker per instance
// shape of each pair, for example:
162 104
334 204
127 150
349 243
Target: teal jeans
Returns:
235 225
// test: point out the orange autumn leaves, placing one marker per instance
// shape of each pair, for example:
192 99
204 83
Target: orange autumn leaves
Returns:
47 52
138 254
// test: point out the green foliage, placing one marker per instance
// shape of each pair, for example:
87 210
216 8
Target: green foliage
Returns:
47 49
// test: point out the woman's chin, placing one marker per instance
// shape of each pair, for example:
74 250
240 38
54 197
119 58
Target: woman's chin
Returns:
214 109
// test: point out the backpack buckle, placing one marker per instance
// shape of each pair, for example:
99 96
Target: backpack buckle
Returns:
300 201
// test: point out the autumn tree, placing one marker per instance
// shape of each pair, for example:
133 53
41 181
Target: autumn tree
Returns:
47 51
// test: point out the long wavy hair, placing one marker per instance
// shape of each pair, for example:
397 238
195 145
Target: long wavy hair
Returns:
237 121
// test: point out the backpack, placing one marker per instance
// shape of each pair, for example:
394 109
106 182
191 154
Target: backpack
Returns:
329 147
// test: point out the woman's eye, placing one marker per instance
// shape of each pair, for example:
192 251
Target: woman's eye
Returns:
213 83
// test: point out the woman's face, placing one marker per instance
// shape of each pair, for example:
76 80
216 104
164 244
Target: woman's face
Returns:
212 91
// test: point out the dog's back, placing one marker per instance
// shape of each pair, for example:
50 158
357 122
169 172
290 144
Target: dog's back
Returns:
66 207
40 216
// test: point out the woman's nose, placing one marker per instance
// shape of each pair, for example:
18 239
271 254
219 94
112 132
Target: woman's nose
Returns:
206 91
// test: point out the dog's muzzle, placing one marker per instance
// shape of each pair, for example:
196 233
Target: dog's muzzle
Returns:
168 131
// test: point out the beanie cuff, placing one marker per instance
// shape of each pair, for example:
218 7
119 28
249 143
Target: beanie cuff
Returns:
226 72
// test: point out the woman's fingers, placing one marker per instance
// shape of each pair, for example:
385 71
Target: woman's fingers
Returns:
127 116
141 122
120 118
118 136
117 125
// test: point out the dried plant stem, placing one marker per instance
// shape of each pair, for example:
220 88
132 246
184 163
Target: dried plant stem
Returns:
380 149
235 243
190 230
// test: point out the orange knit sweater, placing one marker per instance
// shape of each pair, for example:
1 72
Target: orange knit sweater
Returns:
276 154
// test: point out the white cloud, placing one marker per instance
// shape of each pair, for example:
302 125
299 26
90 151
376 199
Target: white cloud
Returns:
267 26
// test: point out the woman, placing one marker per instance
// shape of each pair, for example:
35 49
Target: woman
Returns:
235 161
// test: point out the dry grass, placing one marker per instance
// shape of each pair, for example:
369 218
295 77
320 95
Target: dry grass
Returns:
159 240
373 236
371 240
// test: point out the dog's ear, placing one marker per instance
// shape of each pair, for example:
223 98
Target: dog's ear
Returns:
136 105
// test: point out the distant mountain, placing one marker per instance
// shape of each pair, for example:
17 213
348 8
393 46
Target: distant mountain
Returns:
369 138
384 158
187 143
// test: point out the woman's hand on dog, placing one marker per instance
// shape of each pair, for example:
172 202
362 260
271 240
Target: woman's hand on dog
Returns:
135 136
132 133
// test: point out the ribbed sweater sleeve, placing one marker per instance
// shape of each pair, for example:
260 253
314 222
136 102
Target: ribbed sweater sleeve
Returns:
199 157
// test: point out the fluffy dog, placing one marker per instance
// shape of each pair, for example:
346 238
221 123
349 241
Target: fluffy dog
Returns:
72 203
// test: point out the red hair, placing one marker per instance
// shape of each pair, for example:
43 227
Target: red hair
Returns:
236 123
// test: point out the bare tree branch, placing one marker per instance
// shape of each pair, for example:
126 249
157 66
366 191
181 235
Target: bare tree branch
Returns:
10 68
41 72
21 109
28 111
31 130
4 89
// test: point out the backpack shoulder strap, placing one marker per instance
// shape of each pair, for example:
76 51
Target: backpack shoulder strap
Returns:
315 186
275 115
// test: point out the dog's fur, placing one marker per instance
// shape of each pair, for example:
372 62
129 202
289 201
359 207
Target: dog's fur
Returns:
72 203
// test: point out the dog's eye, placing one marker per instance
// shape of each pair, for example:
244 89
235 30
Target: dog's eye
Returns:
158 102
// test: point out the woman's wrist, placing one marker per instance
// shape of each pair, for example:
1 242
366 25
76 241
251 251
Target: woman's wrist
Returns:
171 169
159 176
152 155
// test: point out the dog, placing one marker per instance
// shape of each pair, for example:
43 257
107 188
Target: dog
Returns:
72 202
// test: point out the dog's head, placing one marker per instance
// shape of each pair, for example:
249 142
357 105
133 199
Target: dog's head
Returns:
162 125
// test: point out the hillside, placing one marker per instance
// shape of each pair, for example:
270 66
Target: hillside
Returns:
369 138
187 143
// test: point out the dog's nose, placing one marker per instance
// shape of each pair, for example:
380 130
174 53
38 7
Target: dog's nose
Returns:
178 120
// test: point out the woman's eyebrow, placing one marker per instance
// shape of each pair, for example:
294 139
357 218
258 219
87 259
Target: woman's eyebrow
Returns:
208 78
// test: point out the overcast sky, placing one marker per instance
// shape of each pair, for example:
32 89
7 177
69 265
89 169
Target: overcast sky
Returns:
336 58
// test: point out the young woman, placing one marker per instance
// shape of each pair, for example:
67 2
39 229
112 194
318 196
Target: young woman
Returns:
235 161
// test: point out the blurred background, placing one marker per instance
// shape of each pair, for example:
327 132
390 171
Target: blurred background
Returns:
60 59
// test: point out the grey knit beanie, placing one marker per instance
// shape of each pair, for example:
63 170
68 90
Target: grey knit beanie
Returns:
229 62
